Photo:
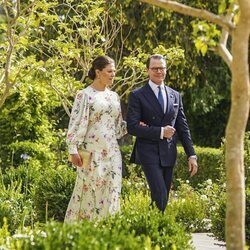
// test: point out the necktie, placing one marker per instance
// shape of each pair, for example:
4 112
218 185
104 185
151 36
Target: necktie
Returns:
160 98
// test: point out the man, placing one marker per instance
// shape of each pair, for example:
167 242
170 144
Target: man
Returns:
156 117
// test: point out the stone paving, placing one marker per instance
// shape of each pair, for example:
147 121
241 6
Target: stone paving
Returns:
204 241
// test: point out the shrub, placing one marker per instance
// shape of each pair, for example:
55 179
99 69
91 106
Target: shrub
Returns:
210 166
144 219
247 157
248 216
15 207
218 217
209 161
25 174
53 191
138 226
84 235
34 150
190 208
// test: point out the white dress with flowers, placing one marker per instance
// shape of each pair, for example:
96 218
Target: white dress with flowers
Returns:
96 124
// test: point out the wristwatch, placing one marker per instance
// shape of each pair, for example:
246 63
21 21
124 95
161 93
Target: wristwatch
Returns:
193 157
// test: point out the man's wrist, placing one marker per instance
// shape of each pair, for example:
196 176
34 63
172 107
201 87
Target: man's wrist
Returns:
193 157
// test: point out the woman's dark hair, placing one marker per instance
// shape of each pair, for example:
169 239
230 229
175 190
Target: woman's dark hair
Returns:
100 63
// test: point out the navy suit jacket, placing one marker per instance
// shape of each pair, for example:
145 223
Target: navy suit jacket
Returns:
149 148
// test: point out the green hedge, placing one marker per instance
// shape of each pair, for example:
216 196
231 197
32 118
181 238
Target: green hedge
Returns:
210 161
137 226
219 215
52 193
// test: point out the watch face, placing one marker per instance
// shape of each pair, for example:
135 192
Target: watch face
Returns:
193 157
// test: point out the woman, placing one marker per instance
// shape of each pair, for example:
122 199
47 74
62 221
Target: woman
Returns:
95 125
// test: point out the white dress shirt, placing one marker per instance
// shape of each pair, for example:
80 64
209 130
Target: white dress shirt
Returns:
155 89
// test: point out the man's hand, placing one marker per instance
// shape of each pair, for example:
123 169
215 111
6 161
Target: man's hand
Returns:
193 166
143 124
168 132
76 160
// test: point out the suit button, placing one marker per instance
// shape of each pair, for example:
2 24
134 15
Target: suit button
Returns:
153 117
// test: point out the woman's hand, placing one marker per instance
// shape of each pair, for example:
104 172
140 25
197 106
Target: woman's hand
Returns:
76 160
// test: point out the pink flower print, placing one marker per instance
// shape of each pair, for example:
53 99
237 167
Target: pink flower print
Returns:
97 117
79 96
69 212
100 183
104 153
78 198
92 136
70 136
85 188
84 216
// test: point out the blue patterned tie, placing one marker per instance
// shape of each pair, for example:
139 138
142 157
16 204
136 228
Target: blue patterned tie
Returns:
160 98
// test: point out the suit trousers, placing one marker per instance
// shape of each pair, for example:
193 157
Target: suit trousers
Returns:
159 180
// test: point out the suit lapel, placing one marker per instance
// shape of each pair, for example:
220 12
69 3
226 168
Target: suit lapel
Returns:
170 106
170 100
150 96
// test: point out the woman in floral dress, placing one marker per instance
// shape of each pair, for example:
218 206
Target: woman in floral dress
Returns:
95 125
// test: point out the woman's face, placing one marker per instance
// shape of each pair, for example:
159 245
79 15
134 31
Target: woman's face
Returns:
106 76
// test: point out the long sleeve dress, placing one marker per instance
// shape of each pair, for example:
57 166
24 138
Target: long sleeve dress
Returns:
95 125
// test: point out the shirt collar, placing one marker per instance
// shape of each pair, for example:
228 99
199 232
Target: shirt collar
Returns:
155 86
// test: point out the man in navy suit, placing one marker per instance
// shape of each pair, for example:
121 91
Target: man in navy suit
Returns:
156 117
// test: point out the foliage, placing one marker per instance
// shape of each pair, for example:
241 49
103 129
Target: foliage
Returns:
210 162
247 218
16 208
25 175
202 79
52 193
144 219
138 226
54 43
247 157
84 235
191 208
26 125
218 217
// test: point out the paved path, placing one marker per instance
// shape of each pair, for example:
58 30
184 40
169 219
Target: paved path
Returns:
204 241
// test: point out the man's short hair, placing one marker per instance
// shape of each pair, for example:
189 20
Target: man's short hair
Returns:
155 56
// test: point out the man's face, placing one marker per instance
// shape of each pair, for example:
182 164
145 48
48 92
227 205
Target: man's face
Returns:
157 70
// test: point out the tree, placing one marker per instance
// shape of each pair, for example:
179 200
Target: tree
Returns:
200 78
238 26
53 39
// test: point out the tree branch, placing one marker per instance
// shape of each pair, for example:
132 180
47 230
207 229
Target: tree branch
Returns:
195 12
222 46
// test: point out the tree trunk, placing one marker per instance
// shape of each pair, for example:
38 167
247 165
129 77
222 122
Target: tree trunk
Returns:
235 215
240 97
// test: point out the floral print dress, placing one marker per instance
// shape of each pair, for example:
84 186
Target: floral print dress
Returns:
95 125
